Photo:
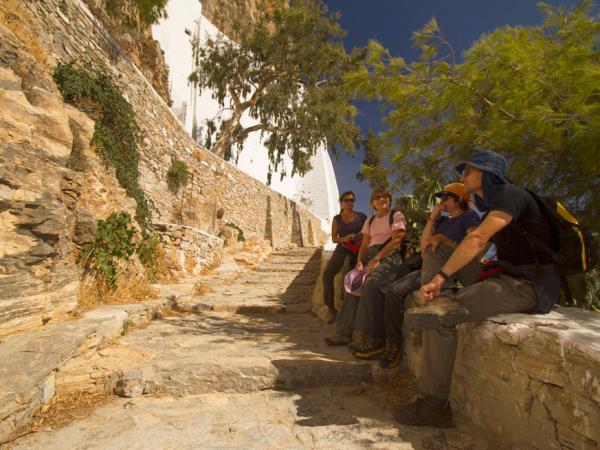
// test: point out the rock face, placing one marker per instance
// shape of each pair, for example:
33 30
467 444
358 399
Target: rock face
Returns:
533 382
225 13
40 198
135 38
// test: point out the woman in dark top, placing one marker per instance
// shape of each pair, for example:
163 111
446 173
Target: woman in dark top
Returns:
345 232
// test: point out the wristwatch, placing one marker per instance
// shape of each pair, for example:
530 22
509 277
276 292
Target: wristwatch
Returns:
443 274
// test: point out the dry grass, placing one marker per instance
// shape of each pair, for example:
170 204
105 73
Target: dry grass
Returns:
161 271
131 287
62 410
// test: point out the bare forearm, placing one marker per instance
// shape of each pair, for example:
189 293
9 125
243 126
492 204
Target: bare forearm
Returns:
466 251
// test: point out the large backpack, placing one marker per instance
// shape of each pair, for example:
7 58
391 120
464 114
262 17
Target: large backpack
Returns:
576 250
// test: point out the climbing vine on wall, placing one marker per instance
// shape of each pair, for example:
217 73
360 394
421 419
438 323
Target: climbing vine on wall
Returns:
116 132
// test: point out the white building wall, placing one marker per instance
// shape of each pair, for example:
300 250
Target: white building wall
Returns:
317 189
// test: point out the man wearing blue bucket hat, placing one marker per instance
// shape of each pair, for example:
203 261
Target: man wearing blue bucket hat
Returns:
522 280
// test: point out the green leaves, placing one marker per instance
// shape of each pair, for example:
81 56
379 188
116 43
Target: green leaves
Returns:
177 175
530 93
113 239
286 72
115 133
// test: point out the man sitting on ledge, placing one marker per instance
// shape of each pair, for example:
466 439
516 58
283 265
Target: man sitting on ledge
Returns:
523 280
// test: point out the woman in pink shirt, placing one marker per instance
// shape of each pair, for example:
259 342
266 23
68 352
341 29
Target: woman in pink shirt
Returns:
380 257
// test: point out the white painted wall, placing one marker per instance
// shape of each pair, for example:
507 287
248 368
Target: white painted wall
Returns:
318 187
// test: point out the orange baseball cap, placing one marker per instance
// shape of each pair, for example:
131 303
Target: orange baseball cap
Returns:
457 189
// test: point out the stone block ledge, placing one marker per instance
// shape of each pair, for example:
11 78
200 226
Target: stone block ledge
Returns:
32 361
531 381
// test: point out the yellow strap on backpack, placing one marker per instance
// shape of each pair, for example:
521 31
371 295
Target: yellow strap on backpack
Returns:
565 214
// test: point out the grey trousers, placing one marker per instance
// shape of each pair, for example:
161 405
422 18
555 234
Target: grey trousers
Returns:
433 261
356 315
495 295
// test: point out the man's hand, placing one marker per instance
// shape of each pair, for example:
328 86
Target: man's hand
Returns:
432 289
371 266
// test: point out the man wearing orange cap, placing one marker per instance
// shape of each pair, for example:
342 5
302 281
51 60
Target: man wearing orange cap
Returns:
449 232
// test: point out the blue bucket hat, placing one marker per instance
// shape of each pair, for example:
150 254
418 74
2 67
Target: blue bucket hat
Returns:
488 161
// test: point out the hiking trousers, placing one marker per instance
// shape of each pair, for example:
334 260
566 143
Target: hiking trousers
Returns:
395 305
498 294
353 316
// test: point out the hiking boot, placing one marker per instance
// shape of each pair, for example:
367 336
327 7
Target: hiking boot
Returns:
337 340
331 316
391 356
427 411
369 351
437 313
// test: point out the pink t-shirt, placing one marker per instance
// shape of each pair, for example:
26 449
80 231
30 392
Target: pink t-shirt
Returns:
380 230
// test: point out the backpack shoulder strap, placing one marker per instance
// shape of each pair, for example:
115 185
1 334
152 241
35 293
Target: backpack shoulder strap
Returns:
391 218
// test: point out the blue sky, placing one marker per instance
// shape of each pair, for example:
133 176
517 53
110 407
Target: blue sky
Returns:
392 22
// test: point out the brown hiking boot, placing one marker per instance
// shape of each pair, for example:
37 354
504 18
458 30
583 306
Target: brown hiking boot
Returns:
427 411
441 312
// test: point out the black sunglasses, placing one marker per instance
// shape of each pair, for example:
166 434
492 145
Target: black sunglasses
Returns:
381 196
348 200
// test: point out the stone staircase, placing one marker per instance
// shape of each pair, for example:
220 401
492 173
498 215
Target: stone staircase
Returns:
243 366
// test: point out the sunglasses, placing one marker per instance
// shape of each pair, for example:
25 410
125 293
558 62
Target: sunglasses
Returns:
348 200
381 196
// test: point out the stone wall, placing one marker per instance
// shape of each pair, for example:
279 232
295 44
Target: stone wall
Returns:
527 381
532 381
225 13
53 187
190 250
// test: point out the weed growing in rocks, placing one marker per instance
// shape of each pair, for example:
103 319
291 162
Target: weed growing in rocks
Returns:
116 133
109 275
113 239
178 175
149 252
240 236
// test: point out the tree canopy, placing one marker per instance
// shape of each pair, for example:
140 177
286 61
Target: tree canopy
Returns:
531 93
285 72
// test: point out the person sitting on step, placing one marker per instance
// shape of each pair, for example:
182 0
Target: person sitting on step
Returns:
388 300
345 232
379 256
523 280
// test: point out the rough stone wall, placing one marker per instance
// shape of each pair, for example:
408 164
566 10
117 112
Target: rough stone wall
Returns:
53 187
527 381
191 250
135 39
224 13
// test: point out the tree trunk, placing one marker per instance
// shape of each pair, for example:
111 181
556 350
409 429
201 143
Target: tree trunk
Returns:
226 134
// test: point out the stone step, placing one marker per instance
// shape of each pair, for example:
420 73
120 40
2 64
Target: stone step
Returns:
221 352
31 360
